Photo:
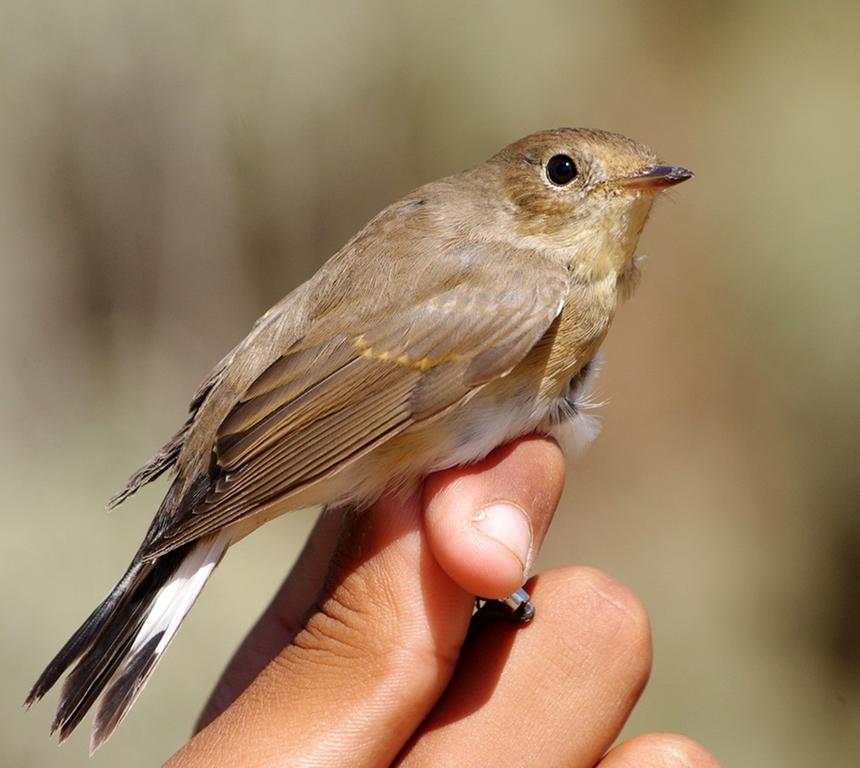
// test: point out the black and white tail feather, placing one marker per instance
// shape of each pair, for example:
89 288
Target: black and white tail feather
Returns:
122 641
119 645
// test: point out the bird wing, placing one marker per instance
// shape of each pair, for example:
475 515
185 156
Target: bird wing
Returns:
336 395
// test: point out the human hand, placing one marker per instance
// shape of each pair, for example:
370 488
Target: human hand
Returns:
363 659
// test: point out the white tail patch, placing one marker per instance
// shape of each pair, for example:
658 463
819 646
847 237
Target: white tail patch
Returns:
176 597
163 619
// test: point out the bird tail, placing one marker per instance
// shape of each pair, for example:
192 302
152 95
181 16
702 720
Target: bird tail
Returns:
122 641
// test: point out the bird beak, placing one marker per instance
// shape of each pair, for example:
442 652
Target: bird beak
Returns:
658 177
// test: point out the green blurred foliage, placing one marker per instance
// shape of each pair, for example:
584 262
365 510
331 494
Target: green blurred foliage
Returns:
167 171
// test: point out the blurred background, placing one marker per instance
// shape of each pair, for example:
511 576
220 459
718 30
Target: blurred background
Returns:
169 170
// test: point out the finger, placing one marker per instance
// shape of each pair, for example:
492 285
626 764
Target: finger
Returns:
659 750
555 693
280 621
486 522
368 666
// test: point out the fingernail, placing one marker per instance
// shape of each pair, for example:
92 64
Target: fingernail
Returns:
507 524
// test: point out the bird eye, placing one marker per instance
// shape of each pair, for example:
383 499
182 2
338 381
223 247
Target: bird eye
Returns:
561 170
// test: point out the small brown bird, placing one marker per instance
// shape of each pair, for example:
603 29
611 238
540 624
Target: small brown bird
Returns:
461 317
